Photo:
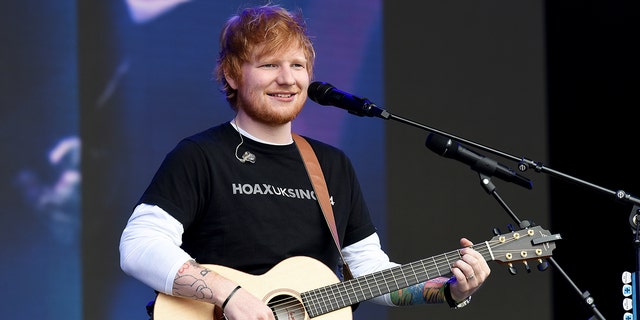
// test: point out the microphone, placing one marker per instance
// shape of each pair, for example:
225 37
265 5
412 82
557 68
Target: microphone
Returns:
451 149
327 95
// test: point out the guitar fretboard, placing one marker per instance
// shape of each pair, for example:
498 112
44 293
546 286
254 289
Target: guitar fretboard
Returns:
336 296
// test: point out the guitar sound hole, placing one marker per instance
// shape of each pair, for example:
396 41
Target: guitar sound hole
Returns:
286 307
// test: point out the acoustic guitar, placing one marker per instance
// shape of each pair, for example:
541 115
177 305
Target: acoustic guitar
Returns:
301 287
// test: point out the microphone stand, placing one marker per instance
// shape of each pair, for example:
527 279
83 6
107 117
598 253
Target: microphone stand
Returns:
370 109
587 299
523 163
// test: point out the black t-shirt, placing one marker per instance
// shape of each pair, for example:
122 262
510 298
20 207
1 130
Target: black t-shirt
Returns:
250 216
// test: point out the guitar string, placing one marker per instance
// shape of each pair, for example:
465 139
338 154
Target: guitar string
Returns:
315 296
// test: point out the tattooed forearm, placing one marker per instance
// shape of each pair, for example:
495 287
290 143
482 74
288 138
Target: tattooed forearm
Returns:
407 296
187 284
428 292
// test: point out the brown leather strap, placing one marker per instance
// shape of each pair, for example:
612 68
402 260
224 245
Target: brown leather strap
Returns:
322 193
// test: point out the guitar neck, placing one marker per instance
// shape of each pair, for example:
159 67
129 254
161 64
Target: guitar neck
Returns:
336 296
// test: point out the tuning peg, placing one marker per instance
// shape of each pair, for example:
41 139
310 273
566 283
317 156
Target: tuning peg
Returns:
512 270
526 265
510 227
496 232
542 265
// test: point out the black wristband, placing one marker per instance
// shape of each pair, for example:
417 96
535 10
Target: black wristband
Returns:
447 296
224 304
450 301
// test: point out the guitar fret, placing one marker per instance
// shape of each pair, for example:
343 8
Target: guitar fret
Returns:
404 277
377 281
394 284
333 301
448 263
382 277
359 287
308 302
335 298
387 286
436 264
324 307
413 271
368 286
347 291
314 302
424 268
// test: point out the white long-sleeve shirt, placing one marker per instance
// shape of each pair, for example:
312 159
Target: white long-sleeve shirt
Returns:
150 251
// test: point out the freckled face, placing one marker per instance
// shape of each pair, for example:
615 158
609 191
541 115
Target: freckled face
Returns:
273 89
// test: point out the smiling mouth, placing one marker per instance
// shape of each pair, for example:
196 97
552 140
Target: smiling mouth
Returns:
282 95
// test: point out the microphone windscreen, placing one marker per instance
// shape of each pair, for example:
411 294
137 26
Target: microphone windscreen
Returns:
439 144
318 91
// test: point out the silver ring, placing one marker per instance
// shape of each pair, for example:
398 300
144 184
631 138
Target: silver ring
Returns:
471 276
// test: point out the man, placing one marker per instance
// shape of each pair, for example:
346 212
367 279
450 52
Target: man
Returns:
234 195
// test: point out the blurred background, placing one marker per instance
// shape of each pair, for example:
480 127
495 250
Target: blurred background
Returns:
95 94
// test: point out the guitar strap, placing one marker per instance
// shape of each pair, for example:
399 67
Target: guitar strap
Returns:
322 193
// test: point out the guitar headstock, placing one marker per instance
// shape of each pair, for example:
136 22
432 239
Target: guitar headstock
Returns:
532 243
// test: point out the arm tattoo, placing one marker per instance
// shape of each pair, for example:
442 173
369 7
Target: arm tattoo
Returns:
426 292
186 285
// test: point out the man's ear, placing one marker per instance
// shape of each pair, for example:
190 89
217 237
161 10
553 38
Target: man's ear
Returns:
231 81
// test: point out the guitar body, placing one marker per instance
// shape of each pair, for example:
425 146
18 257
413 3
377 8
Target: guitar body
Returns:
288 279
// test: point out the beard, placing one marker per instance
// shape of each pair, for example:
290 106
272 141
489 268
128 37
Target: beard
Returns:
268 114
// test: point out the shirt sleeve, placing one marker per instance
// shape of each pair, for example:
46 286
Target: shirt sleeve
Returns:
366 256
150 247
